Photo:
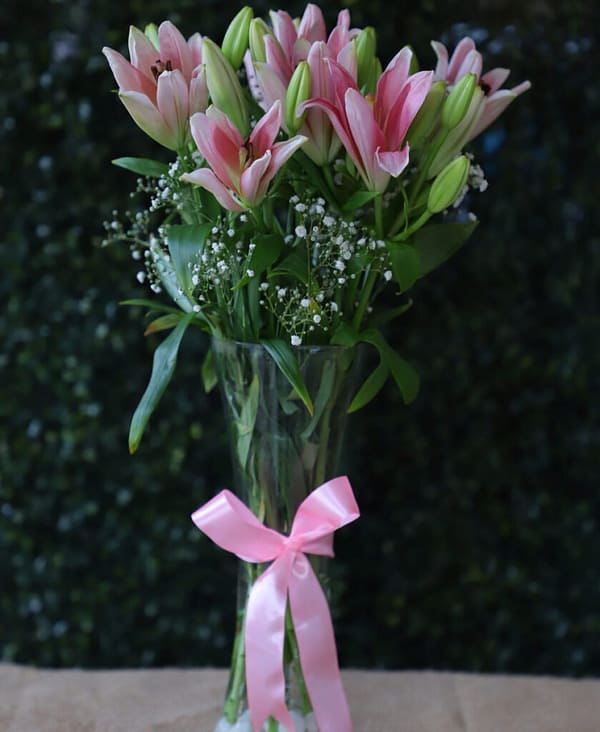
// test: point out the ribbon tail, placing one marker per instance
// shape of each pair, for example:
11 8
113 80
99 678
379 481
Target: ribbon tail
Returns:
265 632
316 646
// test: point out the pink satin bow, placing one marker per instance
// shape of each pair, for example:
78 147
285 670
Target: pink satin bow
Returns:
231 525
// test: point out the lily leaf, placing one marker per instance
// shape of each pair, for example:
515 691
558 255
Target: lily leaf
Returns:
208 372
186 242
151 305
245 424
405 264
142 166
372 386
268 248
163 367
322 398
286 360
385 316
438 242
358 199
165 322
406 377
296 264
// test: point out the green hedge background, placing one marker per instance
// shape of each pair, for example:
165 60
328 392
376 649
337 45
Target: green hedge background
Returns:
479 544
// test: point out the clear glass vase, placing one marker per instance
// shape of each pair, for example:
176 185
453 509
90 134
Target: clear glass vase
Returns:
280 454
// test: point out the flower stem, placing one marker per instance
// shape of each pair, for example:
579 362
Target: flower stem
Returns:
372 276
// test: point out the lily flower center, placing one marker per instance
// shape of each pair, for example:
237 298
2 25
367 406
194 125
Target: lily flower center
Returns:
158 69
485 88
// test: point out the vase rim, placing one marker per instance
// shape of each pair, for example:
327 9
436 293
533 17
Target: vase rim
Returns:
305 348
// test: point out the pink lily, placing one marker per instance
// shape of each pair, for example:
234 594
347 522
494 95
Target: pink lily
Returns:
240 170
161 88
373 129
289 45
467 60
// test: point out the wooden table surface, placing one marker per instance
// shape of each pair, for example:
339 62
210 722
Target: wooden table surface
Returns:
176 700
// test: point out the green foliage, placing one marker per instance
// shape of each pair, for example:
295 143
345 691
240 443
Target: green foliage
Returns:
478 539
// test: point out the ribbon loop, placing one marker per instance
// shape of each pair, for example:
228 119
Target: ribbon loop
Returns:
231 525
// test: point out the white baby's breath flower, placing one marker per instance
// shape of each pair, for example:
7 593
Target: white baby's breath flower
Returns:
300 231
387 275
296 340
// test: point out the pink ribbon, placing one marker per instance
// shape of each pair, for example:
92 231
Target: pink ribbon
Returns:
231 525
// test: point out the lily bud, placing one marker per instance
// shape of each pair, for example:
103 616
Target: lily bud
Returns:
448 185
298 91
258 30
235 41
451 142
224 86
458 101
151 32
427 117
366 43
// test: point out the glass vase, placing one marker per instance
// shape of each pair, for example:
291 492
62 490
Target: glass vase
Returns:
280 454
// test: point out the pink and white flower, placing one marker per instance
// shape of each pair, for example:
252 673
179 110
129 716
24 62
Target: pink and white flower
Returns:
467 60
373 129
162 87
240 170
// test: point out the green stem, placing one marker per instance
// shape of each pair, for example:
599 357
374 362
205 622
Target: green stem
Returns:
372 276
238 662
291 635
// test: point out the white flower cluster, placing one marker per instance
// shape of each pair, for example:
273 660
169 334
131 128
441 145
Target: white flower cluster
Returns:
476 180
335 252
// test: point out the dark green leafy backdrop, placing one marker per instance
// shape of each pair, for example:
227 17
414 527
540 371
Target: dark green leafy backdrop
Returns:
479 543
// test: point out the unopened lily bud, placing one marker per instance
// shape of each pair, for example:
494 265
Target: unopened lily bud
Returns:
427 117
235 41
151 32
448 185
258 30
298 91
366 44
224 86
458 101
453 141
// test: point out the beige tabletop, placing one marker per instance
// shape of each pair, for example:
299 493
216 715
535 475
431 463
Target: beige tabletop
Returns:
172 700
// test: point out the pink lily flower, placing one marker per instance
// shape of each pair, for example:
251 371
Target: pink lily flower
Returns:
467 60
373 129
240 170
285 50
161 88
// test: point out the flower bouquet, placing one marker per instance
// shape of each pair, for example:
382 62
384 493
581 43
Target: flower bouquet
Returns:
306 181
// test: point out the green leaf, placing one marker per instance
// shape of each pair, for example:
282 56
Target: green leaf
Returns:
163 366
385 316
286 360
151 305
405 264
186 242
246 422
358 199
345 335
405 375
438 242
165 322
372 386
142 166
296 265
165 269
268 248
209 373
322 399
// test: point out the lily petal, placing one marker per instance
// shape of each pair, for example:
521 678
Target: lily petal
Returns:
195 46
198 91
127 76
390 82
216 145
367 137
148 118
405 108
207 179
174 48
142 53
441 68
250 182
271 86
467 44
266 129
312 25
392 161
172 98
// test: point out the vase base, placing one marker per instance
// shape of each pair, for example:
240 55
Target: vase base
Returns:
301 724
